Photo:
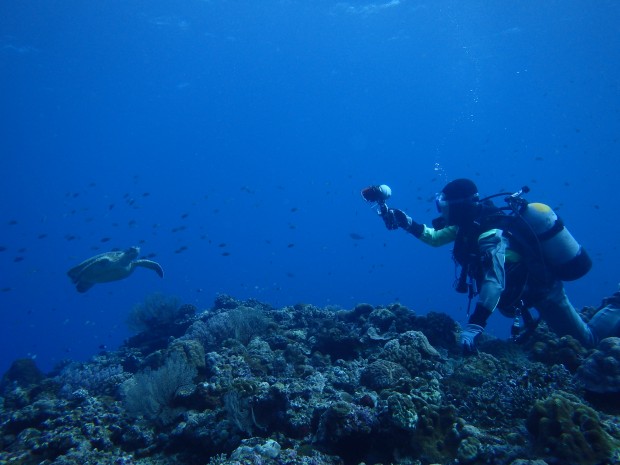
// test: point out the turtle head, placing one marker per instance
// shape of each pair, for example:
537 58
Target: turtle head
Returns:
132 252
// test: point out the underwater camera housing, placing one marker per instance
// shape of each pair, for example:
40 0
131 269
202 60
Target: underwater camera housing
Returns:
377 194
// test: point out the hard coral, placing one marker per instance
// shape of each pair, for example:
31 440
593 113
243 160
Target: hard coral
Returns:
402 412
440 329
23 372
570 431
345 427
359 386
411 350
381 318
383 374
600 372
566 351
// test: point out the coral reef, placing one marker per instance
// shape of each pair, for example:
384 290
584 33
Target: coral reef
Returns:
600 372
570 431
246 383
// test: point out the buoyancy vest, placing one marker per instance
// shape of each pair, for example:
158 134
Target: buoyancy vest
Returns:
466 252
522 243
546 248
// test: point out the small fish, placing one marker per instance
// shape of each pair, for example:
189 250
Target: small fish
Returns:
42 236
146 194
225 254
105 239
356 237
12 222
18 259
294 209
290 245
184 215
6 289
2 248
181 249
222 244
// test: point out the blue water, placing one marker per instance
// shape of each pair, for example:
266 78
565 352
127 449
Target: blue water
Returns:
245 130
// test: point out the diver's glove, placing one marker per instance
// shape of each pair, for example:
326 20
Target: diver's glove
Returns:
389 218
468 336
402 219
399 219
395 218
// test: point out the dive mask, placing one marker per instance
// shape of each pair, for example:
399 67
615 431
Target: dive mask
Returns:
452 210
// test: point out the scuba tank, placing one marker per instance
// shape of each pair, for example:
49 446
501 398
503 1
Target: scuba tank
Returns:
566 258
562 254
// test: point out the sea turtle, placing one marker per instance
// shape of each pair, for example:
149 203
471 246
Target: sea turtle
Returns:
109 266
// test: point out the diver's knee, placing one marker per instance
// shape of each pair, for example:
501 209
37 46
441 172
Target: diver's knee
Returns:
606 322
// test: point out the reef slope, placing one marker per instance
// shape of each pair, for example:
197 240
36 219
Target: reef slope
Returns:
246 383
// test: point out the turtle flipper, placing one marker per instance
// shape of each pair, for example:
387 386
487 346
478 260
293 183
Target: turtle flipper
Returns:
83 286
151 265
74 273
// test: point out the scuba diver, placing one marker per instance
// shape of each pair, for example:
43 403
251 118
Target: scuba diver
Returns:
512 258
